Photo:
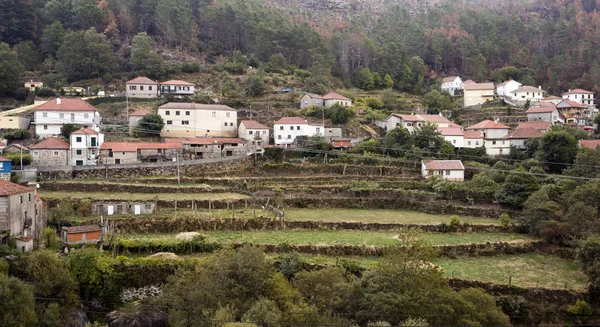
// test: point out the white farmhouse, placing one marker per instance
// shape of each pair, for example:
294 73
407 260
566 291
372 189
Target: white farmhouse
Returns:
519 138
255 133
494 135
141 87
451 170
527 93
506 87
286 129
580 96
451 84
177 88
198 120
454 135
473 139
52 115
85 147
332 98
413 122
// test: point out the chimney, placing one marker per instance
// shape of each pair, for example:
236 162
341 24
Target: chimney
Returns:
57 100
496 120
569 90
540 87
441 114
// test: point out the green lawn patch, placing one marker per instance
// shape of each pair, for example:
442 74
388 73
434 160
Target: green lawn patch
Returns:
143 196
378 216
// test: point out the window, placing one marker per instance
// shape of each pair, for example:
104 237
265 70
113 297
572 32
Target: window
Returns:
185 122
150 88
141 87
148 207
132 87
228 114
281 128
187 113
289 137
264 132
45 114
494 142
55 153
169 122
297 127
36 153
176 113
62 116
29 197
79 152
225 124
214 114
85 116
45 127
249 132
454 141
291 128
20 199
230 124
78 139
279 137
167 113
318 130
447 173
476 142
469 142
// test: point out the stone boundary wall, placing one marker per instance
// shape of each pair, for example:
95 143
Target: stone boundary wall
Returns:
125 187
179 225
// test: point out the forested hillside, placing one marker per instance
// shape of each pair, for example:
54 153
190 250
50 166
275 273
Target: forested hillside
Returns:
554 43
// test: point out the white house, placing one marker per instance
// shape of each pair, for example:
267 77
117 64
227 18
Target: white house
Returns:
473 139
141 87
478 93
177 88
454 135
451 170
520 137
546 113
255 133
85 147
193 120
52 115
412 122
451 84
332 98
494 137
286 129
506 87
580 96
527 93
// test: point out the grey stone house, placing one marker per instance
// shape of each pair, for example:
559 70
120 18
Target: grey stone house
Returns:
21 214
52 151
311 100
115 208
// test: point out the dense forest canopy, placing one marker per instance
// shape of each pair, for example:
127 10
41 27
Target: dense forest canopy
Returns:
554 43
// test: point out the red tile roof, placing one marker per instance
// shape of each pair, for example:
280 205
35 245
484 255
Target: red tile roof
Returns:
479 86
206 141
450 131
141 80
2 158
448 79
19 146
473 134
253 124
85 131
434 118
82 229
443 165
578 91
198 106
134 146
488 124
541 110
408 117
571 103
314 96
527 88
589 144
2 143
524 133
141 112
291 121
177 82
52 143
335 96
537 125
552 97
469 81
8 188
66 104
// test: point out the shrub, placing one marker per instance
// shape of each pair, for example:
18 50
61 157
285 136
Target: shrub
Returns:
16 158
48 237
505 220
302 73
190 67
374 103
454 222
45 92
17 134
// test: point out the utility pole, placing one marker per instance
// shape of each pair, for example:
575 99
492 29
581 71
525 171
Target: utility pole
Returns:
21 156
178 175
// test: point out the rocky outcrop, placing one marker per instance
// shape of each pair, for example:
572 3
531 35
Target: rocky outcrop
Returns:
143 318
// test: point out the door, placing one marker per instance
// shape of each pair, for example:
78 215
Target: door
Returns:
111 210
93 141
137 209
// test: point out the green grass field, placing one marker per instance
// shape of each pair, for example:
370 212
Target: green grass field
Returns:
143 196
527 270
379 216
343 237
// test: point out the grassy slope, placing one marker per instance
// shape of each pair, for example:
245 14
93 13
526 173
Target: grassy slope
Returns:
378 216
344 237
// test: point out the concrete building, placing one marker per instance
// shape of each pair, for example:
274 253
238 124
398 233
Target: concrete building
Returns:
574 113
519 138
255 133
116 153
34 86
286 129
453 85
311 99
413 122
81 234
177 88
527 93
451 170
123 207
478 93
454 135
332 98
85 147
14 122
494 135
52 151
545 114
473 139
206 148
198 120
141 87
505 88
580 96
134 118
21 214
52 115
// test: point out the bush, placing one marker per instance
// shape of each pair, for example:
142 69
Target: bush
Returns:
16 158
302 73
17 134
374 103
45 92
190 67
505 220
454 222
